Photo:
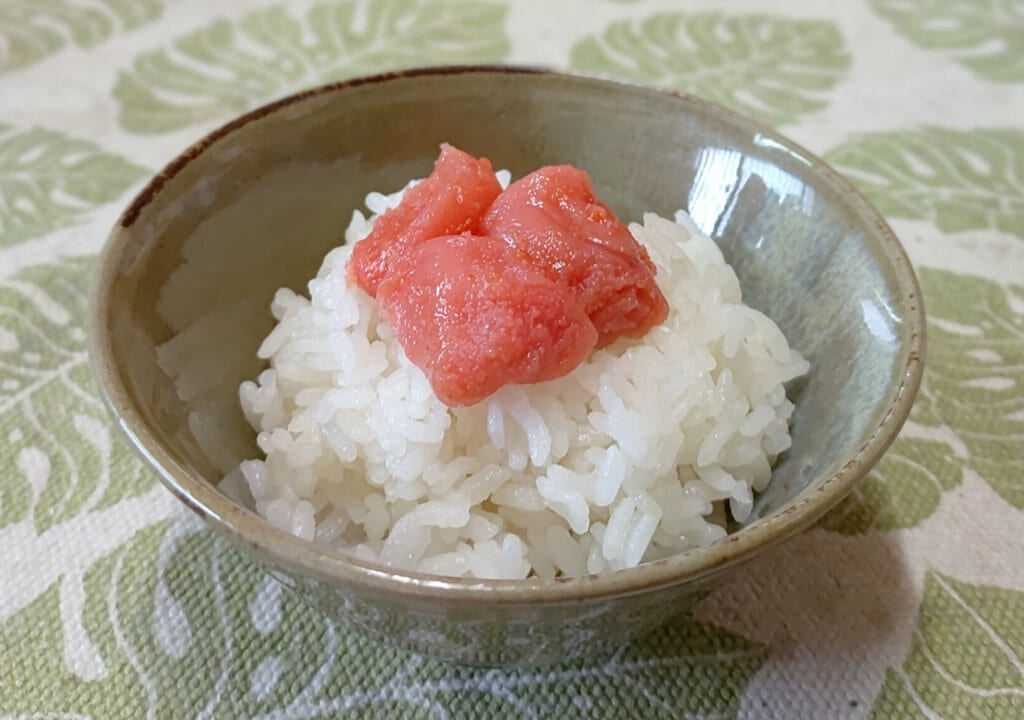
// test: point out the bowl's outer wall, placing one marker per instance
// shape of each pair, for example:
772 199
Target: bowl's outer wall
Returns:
201 255
499 635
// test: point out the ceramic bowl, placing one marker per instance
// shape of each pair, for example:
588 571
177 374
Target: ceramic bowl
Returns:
185 282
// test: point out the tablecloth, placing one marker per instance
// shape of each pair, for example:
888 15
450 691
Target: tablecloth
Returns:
908 601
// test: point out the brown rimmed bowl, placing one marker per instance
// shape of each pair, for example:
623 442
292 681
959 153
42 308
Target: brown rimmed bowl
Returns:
186 279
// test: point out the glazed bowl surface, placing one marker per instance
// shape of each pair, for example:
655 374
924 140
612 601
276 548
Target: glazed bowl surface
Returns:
186 278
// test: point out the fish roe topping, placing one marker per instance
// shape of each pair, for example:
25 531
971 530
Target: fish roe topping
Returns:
486 288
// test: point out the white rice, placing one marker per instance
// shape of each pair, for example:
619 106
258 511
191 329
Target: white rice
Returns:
630 457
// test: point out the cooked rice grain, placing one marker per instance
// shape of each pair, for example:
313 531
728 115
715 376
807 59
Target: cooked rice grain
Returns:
630 457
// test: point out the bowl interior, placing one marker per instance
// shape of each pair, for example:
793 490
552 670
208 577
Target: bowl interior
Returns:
192 267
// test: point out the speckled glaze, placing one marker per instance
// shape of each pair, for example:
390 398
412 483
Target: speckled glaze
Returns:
187 276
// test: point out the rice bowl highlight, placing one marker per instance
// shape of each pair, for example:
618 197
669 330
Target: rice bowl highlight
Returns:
636 454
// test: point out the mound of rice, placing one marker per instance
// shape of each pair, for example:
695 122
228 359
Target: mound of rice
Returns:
633 456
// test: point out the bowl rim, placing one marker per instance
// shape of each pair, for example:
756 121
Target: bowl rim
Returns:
250 531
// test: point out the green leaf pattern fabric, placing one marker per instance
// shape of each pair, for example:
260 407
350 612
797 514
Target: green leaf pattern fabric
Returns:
965 658
986 36
49 180
228 66
65 456
769 67
906 601
977 374
958 179
30 30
